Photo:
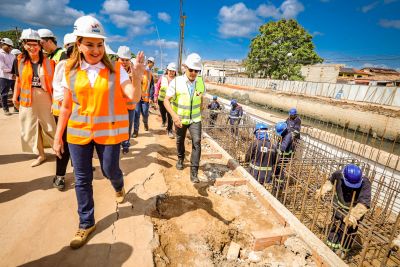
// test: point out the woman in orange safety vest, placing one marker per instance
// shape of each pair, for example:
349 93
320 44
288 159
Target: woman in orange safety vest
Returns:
32 94
95 114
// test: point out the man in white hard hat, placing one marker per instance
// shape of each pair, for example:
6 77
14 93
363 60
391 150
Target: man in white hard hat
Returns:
49 44
7 79
69 41
185 93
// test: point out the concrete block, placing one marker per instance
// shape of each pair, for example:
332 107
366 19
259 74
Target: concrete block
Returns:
233 251
267 238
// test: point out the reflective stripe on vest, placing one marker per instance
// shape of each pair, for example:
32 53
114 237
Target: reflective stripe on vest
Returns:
56 57
332 245
25 71
105 121
341 205
187 107
146 85
163 88
55 107
259 168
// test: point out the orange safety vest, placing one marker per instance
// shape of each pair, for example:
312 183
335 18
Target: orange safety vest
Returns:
147 76
25 79
99 113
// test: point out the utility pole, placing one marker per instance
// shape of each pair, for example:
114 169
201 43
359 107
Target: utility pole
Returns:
182 18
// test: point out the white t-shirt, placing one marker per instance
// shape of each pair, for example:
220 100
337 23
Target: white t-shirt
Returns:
92 72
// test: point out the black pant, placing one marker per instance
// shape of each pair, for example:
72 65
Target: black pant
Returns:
195 132
5 86
165 115
61 164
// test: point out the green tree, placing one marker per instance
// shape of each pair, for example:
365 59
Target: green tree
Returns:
13 35
279 51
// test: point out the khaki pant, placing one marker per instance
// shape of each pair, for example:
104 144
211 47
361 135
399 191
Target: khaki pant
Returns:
38 126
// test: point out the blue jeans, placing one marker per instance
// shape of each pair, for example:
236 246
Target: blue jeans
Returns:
5 86
141 108
81 156
131 114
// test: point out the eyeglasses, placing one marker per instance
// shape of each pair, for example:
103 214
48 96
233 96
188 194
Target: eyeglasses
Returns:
191 70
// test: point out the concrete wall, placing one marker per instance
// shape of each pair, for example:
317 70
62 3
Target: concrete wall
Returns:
334 112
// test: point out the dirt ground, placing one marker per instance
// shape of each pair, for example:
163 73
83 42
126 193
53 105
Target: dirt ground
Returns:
165 221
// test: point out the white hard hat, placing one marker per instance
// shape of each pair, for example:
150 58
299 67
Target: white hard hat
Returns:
124 52
88 26
109 51
15 52
133 60
193 61
172 66
7 41
151 59
29 34
46 33
69 38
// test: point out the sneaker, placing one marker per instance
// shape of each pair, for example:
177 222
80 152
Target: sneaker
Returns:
193 176
80 237
179 164
146 127
7 113
59 182
16 110
163 124
171 135
125 150
120 196
135 134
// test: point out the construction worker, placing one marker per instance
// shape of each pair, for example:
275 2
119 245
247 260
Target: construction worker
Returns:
395 245
286 144
159 95
186 94
94 109
235 116
142 107
6 77
33 94
58 96
294 123
346 218
49 44
124 57
214 108
261 155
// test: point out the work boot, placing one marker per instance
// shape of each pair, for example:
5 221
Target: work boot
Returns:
146 127
16 110
193 175
120 196
80 237
59 182
135 134
125 150
179 164
171 135
7 112
163 124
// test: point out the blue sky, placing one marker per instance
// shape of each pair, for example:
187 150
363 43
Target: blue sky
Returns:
355 32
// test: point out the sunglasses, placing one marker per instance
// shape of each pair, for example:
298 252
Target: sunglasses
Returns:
191 70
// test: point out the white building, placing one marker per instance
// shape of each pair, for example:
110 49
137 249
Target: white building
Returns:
223 68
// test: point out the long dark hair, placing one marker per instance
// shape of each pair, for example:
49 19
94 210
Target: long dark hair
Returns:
25 54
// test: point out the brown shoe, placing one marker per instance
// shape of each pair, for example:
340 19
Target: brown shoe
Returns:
120 196
80 237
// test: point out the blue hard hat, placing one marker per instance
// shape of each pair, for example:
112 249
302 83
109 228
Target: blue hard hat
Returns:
233 102
292 112
215 97
352 176
280 127
260 126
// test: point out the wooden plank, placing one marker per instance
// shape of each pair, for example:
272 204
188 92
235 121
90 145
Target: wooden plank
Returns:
267 238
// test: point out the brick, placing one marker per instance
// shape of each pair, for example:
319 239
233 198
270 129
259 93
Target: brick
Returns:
232 164
233 251
230 181
267 238
212 156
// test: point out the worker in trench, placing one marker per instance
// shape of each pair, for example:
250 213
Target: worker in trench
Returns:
347 213
215 108
294 123
261 155
235 116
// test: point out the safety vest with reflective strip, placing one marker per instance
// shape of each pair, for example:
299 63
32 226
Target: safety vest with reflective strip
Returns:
259 168
147 76
57 55
99 113
25 79
187 106
163 88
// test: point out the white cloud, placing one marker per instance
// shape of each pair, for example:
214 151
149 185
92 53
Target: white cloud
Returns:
369 7
44 13
164 17
239 21
117 39
316 33
136 21
386 23
162 43
371 65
